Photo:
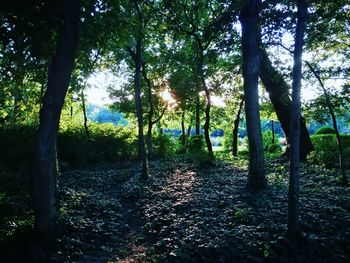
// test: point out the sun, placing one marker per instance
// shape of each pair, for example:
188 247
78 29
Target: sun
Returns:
168 98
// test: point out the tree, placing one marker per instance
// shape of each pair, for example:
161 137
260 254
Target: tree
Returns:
278 90
293 193
251 64
44 176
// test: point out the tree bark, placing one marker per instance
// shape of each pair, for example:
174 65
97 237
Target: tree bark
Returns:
235 128
150 112
44 176
137 80
293 194
183 130
273 132
251 63
278 91
86 128
208 101
198 123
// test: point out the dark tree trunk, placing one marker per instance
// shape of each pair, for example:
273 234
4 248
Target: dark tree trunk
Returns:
251 63
273 132
44 176
235 128
293 194
183 130
86 128
150 113
208 100
198 123
334 121
189 129
278 91
137 79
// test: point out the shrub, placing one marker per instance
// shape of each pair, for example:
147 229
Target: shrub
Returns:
107 143
274 148
163 145
325 130
196 143
326 149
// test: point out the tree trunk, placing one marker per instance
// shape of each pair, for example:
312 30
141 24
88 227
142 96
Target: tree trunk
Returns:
44 176
251 63
208 100
334 121
86 128
293 194
198 123
150 113
273 132
235 129
278 91
137 79
189 129
183 138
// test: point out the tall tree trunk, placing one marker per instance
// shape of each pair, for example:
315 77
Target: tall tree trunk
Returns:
334 121
137 79
293 194
273 132
207 96
278 90
189 129
183 138
150 112
251 64
235 128
44 176
86 128
198 122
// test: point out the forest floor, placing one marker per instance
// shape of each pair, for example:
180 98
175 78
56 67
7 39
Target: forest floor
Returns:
189 213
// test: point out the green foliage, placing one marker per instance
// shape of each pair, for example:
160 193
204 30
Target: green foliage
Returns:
106 144
268 145
326 149
325 130
227 139
196 144
163 145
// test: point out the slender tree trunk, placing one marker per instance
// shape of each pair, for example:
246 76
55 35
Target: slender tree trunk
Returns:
183 130
278 91
235 129
189 129
208 100
293 194
334 122
251 63
86 128
44 176
198 123
137 79
150 113
273 132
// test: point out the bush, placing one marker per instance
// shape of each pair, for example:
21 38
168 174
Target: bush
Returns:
274 148
227 139
196 143
325 130
163 145
106 144
326 149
